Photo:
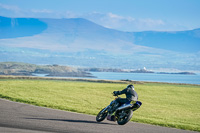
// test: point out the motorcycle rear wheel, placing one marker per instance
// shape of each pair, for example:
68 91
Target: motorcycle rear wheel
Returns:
101 115
127 116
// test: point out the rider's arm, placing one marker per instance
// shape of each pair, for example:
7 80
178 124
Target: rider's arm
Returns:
122 92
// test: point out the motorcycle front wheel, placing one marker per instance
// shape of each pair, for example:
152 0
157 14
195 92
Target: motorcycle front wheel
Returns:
124 116
101 115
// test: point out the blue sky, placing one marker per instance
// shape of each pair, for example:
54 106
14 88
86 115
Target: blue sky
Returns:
125 15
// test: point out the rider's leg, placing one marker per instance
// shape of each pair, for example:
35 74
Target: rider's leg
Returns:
118 102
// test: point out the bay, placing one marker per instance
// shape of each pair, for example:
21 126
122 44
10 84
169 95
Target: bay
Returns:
152 77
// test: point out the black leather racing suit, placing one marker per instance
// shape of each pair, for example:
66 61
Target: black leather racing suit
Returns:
131 95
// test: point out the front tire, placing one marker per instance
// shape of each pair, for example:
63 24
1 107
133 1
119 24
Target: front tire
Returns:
124 116
101 115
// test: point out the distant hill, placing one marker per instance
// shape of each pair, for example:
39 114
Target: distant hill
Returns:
25 69
81 42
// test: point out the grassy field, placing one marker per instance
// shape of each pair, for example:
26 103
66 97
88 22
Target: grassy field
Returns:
163 104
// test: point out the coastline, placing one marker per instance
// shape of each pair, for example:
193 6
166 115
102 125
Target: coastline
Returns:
89 80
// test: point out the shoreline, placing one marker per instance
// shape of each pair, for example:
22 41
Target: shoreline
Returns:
88 80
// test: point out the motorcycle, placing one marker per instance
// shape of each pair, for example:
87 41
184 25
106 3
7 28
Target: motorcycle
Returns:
122 114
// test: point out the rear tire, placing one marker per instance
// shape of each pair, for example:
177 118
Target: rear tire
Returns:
128 115
101 115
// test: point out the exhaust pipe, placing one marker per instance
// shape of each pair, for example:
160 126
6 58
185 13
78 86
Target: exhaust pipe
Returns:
130 106
136 105
124 106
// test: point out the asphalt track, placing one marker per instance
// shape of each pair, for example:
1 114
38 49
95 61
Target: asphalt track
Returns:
23 118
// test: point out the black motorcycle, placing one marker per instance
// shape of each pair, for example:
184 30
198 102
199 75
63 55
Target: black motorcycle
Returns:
122 114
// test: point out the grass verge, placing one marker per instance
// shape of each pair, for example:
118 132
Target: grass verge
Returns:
167 105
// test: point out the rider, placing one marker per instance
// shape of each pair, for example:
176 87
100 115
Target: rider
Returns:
131 95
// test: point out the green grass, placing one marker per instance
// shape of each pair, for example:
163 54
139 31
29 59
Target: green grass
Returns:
163 104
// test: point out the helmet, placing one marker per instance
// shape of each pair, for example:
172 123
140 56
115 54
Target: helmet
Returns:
130 86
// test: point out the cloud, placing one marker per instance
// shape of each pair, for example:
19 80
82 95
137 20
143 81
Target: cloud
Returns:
108 20
127 23
9 7
41 11
151 22
15 11
10 10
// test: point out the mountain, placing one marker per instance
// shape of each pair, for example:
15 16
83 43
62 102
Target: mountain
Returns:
81 42
181 41
20 27
71 35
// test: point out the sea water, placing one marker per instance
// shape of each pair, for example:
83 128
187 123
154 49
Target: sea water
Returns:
153 77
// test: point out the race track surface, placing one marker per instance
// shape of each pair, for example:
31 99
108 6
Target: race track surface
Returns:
23 118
